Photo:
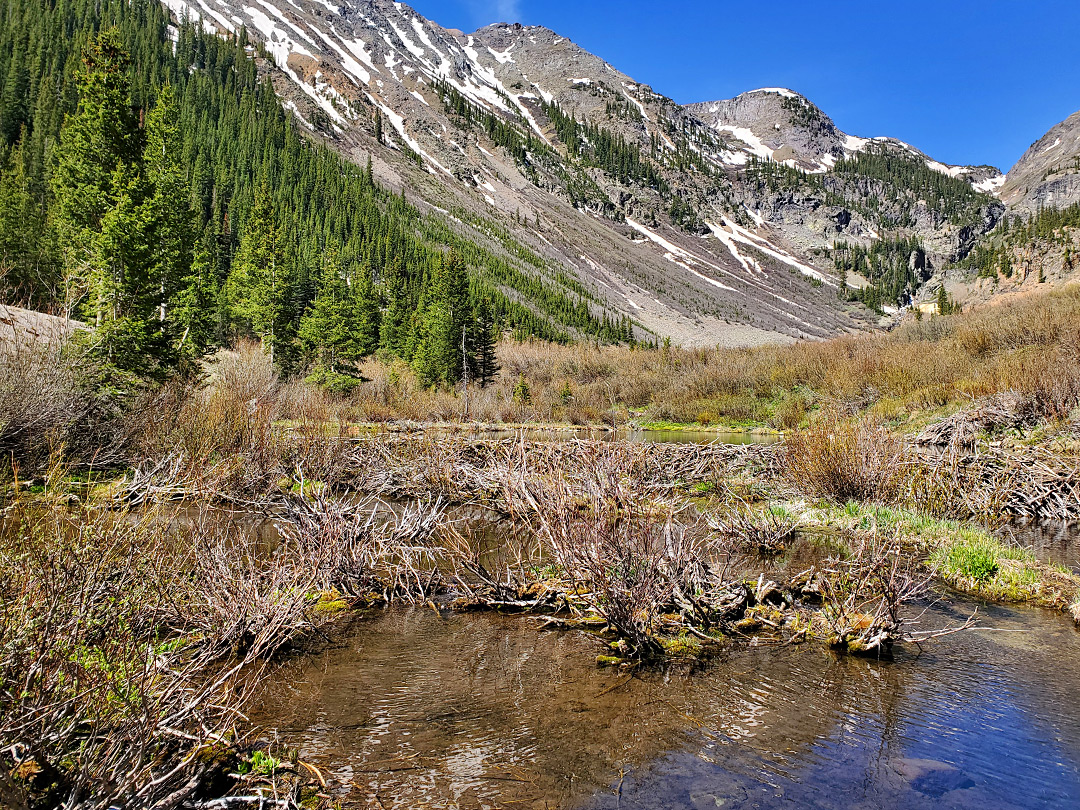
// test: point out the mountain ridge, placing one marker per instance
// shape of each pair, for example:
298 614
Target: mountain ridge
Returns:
681 217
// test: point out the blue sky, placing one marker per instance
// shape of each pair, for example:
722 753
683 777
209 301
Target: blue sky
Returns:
967 82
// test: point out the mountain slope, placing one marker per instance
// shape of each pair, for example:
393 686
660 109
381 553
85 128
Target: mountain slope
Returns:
1048 173
715 223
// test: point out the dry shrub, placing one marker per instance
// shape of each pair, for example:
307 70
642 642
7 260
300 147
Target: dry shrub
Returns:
221 435
127 652
865 596
845 459
49 397
629 554
300 402
244 373
357 552
766 530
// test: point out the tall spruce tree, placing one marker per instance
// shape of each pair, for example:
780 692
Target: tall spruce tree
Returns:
367 315
442 353
395 326
104 207
171 216
328 330
258 286
485 337
96 172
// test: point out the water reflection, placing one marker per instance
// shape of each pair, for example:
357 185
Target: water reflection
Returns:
1052 541
421 709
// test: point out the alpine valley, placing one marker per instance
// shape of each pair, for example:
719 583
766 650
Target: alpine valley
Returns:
581 203
732 222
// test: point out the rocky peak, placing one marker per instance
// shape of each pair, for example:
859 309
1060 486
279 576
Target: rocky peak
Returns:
778 124
1048 173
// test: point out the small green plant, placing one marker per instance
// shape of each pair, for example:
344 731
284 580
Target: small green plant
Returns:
522 394
566 393
976 562
262 763
975 557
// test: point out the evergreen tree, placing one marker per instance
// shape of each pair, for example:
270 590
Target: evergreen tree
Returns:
367 316
328 329
96 173
102 204
171 216
15 100
258 286
26 261
484 340
194 308
442 348
395 325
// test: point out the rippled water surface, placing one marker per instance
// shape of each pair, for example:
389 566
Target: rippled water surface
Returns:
420 709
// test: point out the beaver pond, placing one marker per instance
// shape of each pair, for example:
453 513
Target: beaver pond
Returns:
404 622
414 708
425 707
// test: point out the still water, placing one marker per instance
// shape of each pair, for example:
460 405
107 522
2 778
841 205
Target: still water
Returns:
413 708
561 434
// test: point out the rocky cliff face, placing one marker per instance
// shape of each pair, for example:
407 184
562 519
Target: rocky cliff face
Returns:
1048 174
713 223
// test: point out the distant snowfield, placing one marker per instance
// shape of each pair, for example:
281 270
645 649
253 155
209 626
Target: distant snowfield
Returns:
747 136
780 91
991 184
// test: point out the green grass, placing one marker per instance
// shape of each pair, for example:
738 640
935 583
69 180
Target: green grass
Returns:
979 564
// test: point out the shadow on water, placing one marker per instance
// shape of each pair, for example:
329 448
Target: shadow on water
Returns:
421 709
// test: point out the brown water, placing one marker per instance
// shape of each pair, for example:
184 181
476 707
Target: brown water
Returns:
1051 541
418 709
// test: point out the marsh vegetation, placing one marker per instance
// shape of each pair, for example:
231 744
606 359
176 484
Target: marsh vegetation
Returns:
139 619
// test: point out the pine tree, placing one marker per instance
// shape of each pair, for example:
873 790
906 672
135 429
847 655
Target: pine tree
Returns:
258 285
27 265
942 301
99 148
14 102
172 219
442 351
194 308
484 339
367 315
328 329
103 207
395 326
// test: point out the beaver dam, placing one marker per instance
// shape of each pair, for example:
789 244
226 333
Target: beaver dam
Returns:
451 621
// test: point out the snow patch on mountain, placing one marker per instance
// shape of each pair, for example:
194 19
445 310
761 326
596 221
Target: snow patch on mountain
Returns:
951 171
750 139
855 144
738 234
749 263
675 253
991 184
780 91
